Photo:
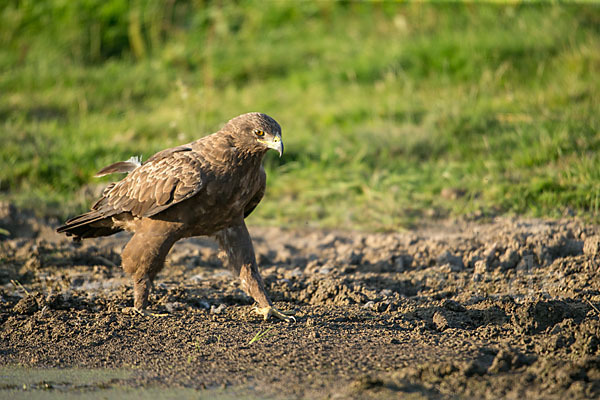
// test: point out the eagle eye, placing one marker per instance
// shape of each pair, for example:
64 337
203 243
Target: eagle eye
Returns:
258 132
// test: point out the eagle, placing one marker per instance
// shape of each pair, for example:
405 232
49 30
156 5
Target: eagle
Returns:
204 188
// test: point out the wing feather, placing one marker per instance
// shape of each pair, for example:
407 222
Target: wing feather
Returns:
160 194
167 178
163 197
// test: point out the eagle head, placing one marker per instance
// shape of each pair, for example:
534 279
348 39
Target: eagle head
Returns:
256 131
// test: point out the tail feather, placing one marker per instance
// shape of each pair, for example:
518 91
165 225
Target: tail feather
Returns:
120 167
91 223
87 225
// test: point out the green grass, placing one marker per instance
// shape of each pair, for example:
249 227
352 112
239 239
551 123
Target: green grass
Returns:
260 335
385 107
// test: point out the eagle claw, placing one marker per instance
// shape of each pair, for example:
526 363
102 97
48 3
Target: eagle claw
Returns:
144 313
268 311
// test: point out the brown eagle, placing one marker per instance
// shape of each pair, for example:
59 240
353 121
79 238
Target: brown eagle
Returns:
206 187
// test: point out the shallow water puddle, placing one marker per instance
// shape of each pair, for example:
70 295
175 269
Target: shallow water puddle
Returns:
77 383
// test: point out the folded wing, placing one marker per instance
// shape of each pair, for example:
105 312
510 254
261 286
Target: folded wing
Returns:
167 178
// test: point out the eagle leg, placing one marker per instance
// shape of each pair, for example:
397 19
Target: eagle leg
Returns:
141 290
269 311
143 257
235 241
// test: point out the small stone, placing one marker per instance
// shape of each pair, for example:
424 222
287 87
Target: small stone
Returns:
33 263
446 258
591 246
203 304
440 321
217 310
481 267
313 264
491 253
174 306
383 306
324 270
284 281
509 259
296 273
369 305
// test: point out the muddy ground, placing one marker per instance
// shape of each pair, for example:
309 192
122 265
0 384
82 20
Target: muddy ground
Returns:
459 309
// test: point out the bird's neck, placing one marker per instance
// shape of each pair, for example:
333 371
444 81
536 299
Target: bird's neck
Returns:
247 159
225 153
244 153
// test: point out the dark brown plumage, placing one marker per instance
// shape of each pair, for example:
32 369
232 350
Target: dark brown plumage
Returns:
206 187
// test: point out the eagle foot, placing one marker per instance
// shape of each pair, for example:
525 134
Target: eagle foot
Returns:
269 311
144 313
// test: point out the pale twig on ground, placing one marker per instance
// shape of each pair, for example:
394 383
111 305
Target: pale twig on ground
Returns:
18 285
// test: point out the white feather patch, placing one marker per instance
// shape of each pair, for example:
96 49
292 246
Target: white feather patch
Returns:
136 160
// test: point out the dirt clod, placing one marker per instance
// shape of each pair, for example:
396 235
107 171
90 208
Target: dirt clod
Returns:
27 305
591 246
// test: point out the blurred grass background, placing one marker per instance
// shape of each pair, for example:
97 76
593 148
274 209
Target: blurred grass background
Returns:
390 112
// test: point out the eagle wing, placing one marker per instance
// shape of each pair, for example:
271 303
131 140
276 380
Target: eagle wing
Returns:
167 178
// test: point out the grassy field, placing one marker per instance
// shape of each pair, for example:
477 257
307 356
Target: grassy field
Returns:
390 112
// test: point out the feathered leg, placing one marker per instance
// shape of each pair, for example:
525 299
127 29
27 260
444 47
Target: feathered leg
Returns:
237 244
143 257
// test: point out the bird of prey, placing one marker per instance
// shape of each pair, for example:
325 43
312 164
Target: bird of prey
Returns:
206 187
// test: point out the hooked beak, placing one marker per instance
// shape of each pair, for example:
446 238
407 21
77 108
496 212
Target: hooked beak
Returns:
275 144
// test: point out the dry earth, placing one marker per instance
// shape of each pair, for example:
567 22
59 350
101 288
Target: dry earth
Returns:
462 309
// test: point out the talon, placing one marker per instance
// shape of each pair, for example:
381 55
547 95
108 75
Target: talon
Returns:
268 311
144 313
